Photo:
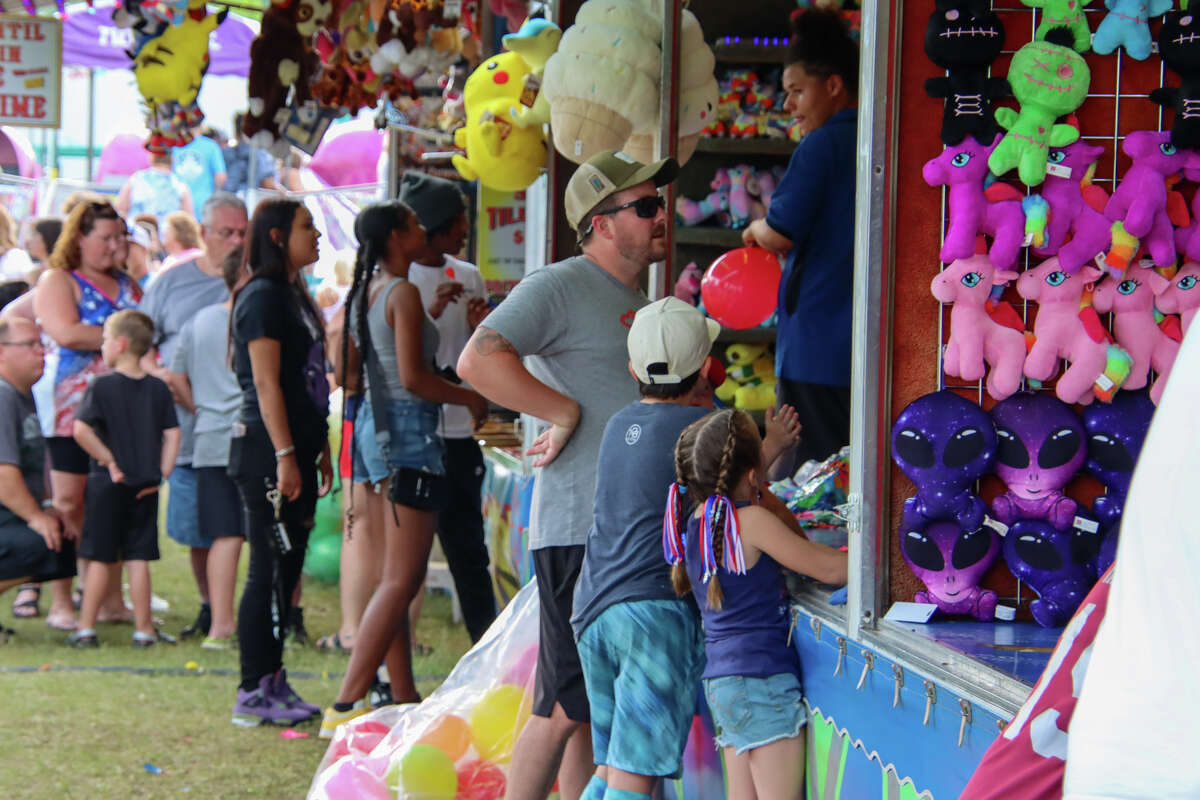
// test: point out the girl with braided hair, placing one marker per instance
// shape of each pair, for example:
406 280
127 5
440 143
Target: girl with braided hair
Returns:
391 339
730 551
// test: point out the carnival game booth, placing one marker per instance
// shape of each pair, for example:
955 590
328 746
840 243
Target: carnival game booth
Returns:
1012 332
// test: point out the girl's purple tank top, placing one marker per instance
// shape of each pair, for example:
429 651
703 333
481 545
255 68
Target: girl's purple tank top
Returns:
749 635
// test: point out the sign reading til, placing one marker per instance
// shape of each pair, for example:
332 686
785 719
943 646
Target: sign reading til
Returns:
30 71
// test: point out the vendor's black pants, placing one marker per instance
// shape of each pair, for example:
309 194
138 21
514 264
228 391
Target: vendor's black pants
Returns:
260 644
460 531
824 416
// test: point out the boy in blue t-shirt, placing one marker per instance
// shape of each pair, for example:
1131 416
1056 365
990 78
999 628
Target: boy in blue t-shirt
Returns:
640 644
811 220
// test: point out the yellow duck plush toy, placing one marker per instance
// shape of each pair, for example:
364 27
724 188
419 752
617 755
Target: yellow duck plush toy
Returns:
499 153
168 70
749 378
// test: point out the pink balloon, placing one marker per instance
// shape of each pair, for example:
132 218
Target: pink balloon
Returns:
122 156
522 669
349 158
741 287
353 781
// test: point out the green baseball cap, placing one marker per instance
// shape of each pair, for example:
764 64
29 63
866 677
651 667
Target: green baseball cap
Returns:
607 173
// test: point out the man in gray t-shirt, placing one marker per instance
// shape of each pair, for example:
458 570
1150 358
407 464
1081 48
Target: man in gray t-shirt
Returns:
172 299
555 349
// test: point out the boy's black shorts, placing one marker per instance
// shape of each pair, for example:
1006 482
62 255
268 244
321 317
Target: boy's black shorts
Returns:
117 526
559 673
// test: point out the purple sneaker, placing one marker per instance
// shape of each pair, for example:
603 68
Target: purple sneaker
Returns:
261 706
282 690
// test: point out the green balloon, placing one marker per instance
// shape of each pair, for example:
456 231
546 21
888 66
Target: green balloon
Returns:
327 521
322 561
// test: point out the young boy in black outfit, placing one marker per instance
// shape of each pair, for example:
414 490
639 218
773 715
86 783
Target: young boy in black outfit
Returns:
127 424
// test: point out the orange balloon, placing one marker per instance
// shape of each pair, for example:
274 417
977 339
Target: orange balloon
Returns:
449 734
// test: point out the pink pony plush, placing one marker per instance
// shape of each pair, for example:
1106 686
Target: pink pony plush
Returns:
740 207
1140 201
962 169
1077 232
975 338
1182 297
1060 331
1131 299
766 186
687 288
691 212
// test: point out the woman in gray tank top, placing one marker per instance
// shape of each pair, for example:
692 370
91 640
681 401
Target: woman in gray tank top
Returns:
400 341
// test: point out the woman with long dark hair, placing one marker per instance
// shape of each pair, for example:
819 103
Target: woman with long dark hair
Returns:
280 443
394 343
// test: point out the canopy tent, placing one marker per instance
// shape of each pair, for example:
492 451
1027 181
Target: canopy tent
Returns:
91 39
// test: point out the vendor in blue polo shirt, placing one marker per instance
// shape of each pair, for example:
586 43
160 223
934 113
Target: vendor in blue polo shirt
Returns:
811 220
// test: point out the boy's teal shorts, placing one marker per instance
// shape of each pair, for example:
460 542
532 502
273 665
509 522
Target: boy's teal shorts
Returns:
642 662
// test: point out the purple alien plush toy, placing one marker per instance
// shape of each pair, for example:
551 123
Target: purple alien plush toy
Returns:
1054 564
1115 432
943 443
950 562
1041 447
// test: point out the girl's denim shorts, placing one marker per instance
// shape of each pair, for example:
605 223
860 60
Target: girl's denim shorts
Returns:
415 442
752 712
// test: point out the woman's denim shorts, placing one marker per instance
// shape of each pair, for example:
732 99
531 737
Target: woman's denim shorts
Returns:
415 441
752 712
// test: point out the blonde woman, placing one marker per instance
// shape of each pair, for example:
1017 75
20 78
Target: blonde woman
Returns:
15 263
181 238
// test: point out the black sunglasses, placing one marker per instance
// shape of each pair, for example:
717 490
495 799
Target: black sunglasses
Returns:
645 207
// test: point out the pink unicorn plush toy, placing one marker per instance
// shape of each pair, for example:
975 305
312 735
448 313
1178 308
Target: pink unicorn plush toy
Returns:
1131 299
962 169
1060 332
1182 297
1076 232
1140 200
975 337
740 204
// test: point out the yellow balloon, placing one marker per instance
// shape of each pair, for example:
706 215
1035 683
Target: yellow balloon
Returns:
497 720
450 734
424 773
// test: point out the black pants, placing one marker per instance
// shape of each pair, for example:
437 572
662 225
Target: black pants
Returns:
259 642
460 531
824 413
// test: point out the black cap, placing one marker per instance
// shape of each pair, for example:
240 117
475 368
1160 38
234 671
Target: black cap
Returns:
435 200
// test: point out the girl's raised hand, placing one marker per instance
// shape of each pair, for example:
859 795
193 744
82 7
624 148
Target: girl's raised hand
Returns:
783 431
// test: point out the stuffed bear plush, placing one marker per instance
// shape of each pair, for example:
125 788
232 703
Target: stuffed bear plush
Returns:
280 60
964 37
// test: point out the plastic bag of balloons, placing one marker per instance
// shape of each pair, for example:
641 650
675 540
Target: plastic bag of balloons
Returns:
458 742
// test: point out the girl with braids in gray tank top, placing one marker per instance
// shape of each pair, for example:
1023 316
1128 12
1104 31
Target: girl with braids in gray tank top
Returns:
729 551
386 319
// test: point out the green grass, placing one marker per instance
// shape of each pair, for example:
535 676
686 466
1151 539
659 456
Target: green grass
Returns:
73 729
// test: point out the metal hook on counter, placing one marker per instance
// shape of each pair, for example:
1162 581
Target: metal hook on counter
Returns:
868 665
815 624
841 644
930 700
965 708
898 678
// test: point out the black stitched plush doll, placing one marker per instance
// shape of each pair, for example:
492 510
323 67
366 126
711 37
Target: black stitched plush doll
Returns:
964 37
1179 45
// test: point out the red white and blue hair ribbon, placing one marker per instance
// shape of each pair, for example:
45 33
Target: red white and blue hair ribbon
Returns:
719 511
672 535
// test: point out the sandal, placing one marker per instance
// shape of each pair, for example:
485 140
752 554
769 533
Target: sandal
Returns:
25 605
333 644
60 623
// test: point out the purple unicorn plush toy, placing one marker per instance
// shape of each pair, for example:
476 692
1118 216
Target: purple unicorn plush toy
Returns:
950 562
1140 201
1076 232
1052 563
1041 447
962 170
1115 434
943 443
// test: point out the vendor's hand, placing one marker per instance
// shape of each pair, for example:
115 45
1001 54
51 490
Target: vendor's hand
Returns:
748 236
551 442
477 311
445 294
287 477
114 472
149 490
324 472
478 408
49 527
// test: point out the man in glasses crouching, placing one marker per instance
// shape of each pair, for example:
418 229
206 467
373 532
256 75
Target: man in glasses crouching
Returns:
569 321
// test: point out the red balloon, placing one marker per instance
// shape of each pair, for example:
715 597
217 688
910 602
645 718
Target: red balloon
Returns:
740 289
480 780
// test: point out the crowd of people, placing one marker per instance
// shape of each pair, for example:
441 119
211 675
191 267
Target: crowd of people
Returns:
112 322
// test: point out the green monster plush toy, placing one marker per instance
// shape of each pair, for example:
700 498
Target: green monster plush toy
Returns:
1049 80
1064 14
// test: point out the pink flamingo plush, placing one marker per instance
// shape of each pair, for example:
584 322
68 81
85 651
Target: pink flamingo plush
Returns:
1076 232
1131 299
1140 201
975 338
1060 332
1182 297
962 169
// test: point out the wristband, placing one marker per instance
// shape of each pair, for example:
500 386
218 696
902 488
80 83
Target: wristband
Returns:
285 451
